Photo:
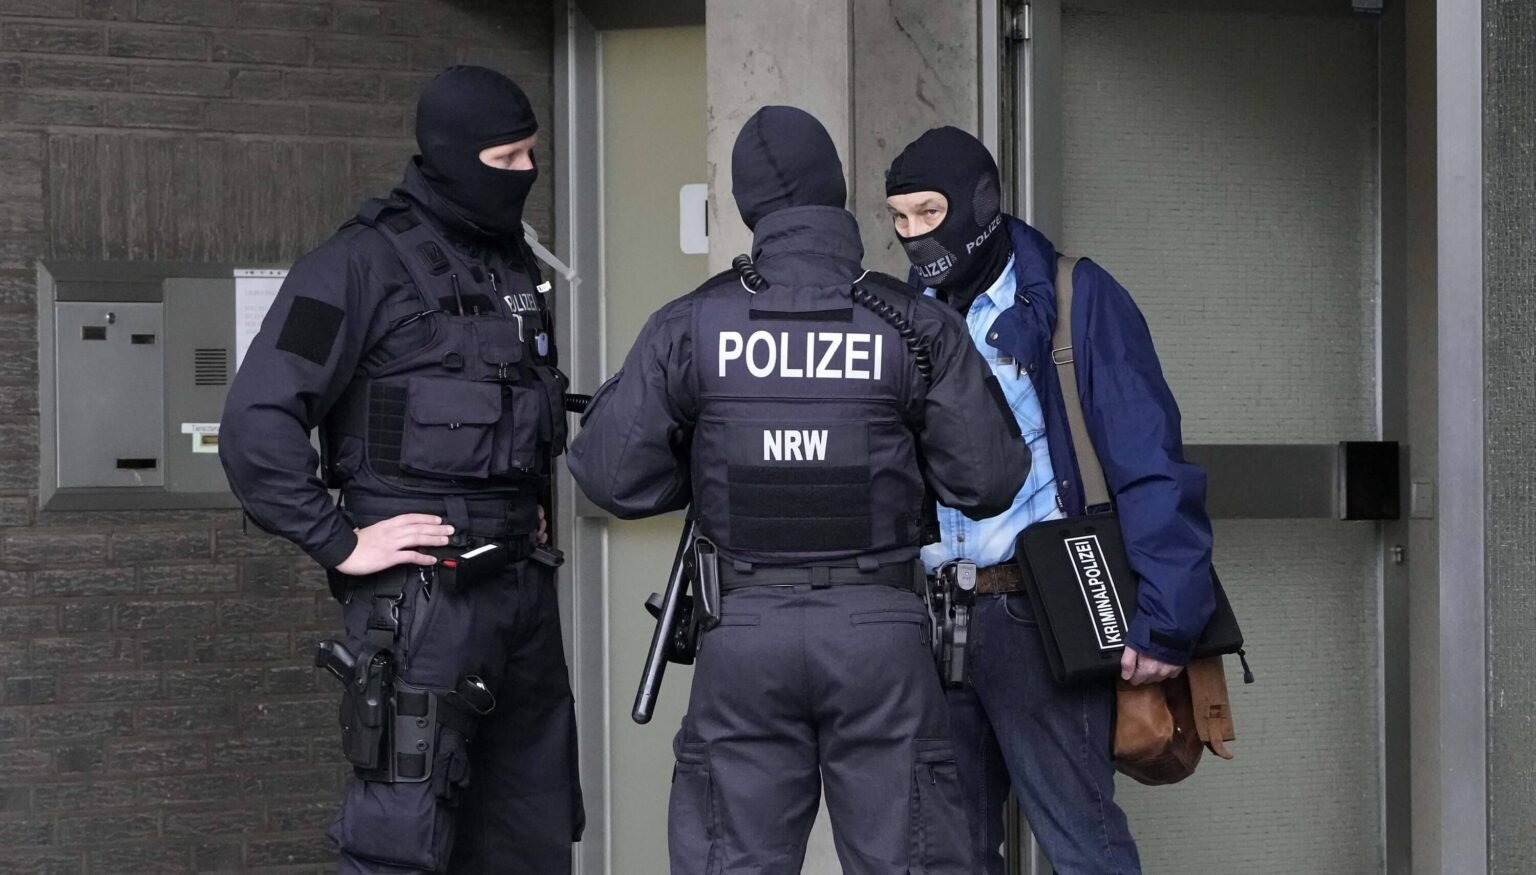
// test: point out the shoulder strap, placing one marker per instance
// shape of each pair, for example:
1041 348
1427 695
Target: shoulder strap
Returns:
426 256
1095 492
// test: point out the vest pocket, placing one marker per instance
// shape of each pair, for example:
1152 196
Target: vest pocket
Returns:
449 427
517 433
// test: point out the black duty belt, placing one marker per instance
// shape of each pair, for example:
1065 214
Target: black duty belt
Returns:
517 549
502 519
902 575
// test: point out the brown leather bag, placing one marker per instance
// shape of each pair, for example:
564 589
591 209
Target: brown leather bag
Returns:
1162 729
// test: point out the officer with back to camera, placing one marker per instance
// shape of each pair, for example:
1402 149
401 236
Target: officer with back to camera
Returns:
418 340
786 405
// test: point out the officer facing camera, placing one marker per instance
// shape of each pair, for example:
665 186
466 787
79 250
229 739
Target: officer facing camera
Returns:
1051 742
802 404
418 340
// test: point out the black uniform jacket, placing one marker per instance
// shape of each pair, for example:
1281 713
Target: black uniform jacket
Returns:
631 454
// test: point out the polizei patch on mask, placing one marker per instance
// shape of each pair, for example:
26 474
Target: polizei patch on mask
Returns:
1099 592
811 355
936 269
971 246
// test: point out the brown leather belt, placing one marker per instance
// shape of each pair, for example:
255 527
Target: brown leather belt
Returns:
999 579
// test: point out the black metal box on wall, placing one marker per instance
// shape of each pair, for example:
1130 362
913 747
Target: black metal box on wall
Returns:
134 359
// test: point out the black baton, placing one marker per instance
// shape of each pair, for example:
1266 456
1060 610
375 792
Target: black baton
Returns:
670 622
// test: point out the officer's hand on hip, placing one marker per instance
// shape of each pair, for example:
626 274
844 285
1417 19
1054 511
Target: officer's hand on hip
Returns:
1142 669
393 542
542 535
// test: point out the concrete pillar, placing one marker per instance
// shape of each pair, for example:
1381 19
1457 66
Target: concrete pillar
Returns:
766 53
877 73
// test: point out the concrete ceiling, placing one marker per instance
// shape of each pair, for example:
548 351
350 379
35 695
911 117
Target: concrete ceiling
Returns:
624 14
1275 7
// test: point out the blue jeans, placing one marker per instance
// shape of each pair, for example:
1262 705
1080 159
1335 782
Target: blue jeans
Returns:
1013 721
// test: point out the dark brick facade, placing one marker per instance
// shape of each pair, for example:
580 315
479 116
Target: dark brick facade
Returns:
157 711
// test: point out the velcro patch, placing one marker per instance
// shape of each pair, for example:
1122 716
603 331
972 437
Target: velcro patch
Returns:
310 330
400 222
843 314
432 255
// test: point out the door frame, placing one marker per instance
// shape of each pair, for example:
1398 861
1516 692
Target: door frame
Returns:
583 579
1029 39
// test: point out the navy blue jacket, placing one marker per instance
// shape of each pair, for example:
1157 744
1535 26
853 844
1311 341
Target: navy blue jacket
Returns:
1135 427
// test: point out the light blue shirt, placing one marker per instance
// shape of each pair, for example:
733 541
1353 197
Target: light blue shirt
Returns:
990 542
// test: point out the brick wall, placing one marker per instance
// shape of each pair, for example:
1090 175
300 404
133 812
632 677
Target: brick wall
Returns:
157 711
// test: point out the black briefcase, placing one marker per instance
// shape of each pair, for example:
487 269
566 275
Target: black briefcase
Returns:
1084 595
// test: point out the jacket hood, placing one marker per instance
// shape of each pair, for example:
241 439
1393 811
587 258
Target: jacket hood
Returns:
808 246
784 158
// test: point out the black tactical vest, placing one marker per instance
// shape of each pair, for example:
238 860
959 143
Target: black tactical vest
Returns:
803 451
478 411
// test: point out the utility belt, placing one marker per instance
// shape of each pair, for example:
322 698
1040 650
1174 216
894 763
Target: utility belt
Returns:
901 575
478 561
500 517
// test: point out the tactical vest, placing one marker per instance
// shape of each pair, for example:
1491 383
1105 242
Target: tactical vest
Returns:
803 451
479 409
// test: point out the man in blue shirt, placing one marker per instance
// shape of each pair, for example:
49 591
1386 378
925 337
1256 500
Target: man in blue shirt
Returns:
1012 723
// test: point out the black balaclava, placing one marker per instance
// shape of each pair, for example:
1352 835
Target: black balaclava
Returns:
463 111
967 252
784 158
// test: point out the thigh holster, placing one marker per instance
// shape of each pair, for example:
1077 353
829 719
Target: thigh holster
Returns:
396 732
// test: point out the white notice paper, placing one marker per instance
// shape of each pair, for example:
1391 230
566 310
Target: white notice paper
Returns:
255 290
205 436
693 219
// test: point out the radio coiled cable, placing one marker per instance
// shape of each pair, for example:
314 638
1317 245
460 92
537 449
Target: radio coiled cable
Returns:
922 356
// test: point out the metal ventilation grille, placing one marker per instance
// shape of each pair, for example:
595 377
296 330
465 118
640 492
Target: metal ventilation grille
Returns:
210 367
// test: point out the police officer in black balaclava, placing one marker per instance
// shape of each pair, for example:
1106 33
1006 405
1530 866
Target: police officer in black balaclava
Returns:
785 404
1066 342
418 340
965 253
453 128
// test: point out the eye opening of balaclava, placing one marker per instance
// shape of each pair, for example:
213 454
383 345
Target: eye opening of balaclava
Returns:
462 112
784 158
964 255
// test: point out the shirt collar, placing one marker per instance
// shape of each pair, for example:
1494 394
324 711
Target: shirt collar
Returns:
1001 292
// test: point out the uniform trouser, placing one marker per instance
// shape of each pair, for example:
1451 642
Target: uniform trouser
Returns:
1013 721
513 806
800 688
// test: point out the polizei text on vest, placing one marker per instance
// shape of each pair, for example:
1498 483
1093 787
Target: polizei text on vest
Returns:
812 355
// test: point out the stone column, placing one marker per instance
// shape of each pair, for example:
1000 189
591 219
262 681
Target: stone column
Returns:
876 72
